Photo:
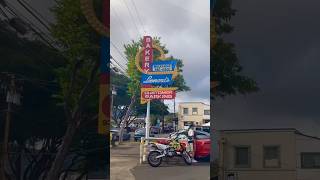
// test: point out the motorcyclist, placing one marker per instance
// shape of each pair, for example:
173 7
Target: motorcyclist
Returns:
192 147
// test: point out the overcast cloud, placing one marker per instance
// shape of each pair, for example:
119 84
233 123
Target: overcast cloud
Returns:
183 26
278 45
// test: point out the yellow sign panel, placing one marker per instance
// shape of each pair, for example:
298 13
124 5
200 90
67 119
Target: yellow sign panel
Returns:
162 57
104 111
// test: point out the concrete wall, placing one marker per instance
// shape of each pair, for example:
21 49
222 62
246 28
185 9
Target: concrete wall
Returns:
256 140
306 144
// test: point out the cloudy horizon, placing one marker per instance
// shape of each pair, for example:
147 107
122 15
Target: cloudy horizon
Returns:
280 50
184 27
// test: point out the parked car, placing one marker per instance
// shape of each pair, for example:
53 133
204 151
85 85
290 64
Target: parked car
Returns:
141 133
202 142
203 128
154 130
168 129
116 132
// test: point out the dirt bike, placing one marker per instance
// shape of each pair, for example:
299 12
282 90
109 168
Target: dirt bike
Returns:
172 149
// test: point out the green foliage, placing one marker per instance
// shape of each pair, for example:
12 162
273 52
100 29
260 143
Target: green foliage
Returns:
120 82
134 74
225 65
80 48
158 108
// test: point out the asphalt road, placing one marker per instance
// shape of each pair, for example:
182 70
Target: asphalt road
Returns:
173 170
125 166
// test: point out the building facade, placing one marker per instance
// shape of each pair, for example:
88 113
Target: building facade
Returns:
196 113
264 154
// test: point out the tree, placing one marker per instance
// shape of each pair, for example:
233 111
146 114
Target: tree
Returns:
78 79
41 117
225 65
121 101
32 64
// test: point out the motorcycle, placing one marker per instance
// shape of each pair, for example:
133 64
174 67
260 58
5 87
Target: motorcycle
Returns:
170 150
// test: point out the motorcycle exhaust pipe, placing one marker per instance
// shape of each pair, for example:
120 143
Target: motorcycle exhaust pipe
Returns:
160 156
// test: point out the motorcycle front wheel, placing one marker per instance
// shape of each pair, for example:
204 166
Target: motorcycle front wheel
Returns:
187 158
153 160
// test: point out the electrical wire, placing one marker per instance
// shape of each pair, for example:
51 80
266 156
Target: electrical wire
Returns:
139 18
132 18
123 68
33 14
37 12
118 51
120 22
4 13
37 31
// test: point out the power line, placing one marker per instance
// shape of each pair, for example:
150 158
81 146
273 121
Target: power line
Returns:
120 22
137 12
4 13
33 14
132 18
120 65
37 31
118 69
118 51
27 52
37 12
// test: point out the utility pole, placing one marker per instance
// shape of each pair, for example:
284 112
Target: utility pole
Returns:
13 97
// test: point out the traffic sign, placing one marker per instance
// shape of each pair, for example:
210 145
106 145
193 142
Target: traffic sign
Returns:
158 79
164 66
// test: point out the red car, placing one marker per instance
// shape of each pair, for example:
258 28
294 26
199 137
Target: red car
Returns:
201 145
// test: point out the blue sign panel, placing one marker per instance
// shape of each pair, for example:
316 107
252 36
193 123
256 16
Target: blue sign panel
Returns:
163 66
158 79
105 55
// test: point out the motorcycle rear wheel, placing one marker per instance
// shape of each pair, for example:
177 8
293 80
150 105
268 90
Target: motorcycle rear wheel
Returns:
187 158
152 160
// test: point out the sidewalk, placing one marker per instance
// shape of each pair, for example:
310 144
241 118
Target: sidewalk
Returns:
123 158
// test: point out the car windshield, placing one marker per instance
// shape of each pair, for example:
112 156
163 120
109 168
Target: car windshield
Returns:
140 131
202 135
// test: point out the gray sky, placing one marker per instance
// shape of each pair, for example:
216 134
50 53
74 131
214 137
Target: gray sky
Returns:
278 45
183 26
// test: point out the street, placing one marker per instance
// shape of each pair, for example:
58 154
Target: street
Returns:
124 165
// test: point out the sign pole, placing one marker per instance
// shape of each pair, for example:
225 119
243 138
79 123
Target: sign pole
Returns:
148 121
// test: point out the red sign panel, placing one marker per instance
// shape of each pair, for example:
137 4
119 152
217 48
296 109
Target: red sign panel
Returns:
167 94
147 53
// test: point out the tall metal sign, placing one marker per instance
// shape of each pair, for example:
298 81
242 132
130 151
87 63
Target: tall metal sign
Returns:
159 73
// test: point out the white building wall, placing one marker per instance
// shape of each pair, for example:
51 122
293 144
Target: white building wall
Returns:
256 140
306 144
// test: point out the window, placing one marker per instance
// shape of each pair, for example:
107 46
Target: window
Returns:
206 121
187 123
185 111
242 156
194 110
206 112
271 156
310 160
